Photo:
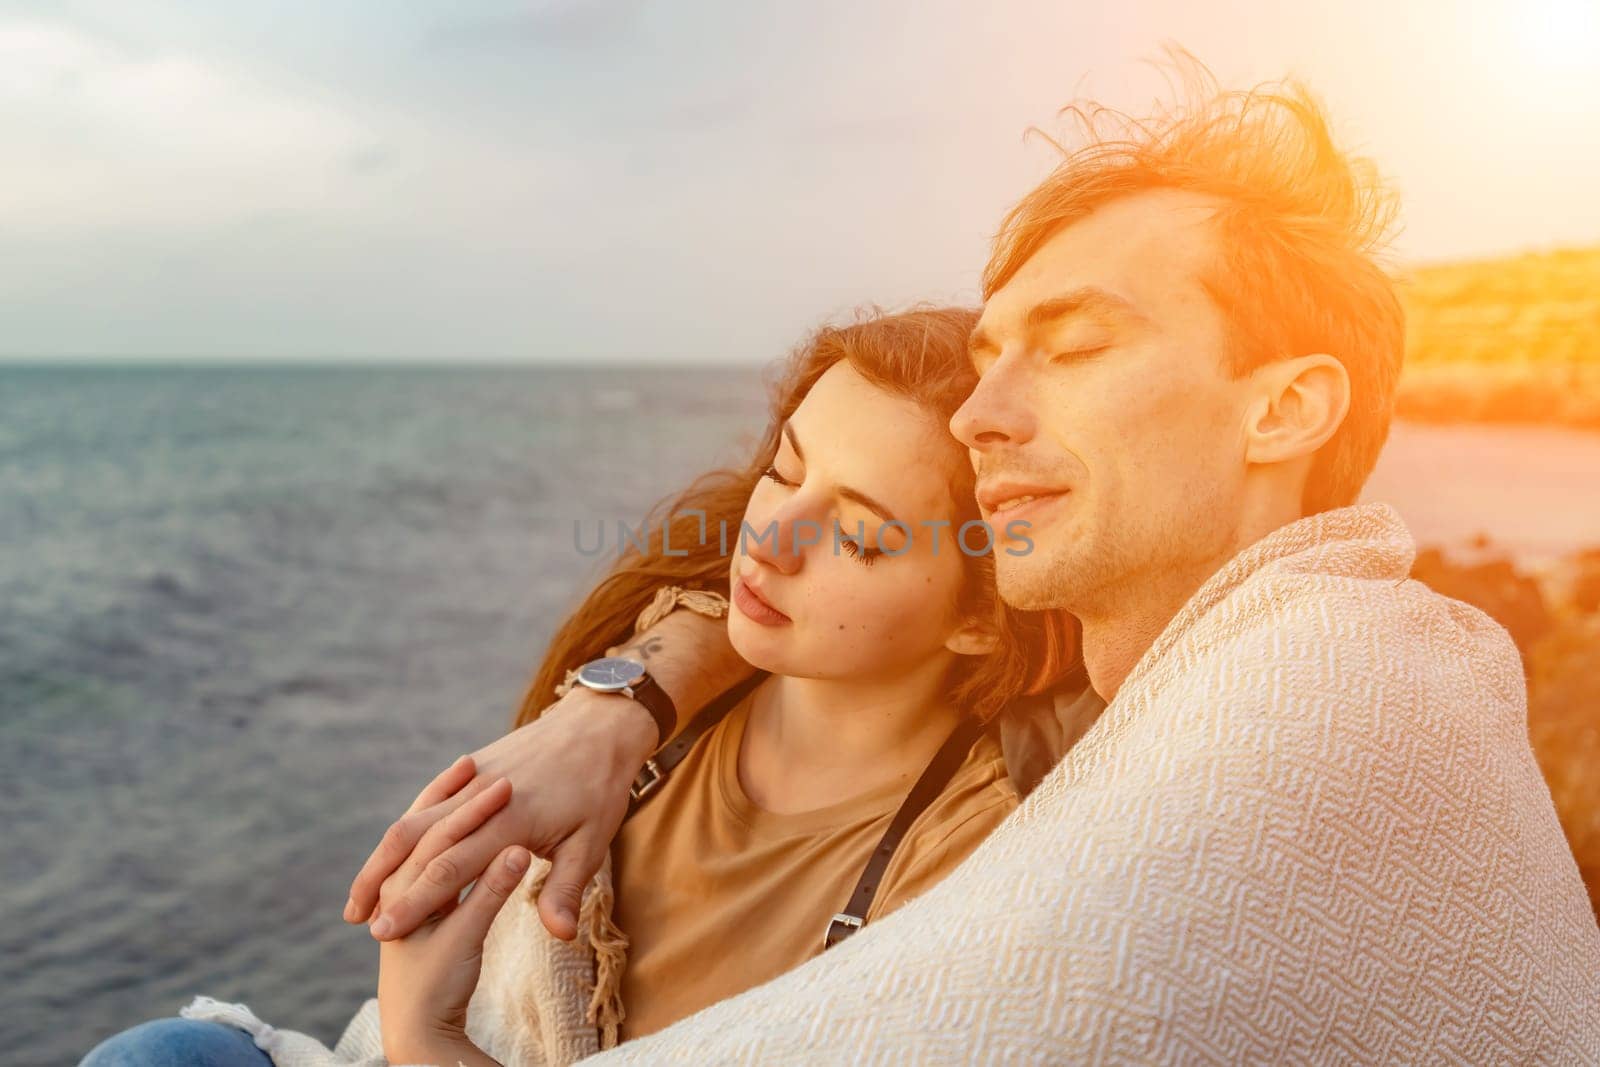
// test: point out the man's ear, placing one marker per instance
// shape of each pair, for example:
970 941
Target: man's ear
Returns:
972 639
1298 405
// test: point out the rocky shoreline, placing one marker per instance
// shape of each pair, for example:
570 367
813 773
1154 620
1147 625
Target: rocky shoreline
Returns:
1553 615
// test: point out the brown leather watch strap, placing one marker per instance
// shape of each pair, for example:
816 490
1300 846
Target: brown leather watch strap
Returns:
654 699
656 769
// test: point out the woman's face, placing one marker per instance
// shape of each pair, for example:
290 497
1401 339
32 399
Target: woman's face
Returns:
852 456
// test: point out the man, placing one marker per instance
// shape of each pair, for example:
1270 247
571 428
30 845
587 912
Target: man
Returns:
1308 826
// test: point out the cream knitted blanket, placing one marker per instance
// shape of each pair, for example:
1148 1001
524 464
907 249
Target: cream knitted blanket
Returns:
540 1002
529 1010
1309 829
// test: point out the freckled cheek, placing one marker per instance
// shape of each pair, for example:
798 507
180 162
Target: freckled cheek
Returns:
867 605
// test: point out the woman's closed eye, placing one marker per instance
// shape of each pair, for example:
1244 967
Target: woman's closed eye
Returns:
856 548
860 551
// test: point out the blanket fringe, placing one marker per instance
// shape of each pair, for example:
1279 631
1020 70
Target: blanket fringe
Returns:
605 1011
610 946
239 1016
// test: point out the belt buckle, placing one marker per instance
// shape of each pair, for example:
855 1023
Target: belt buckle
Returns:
647 781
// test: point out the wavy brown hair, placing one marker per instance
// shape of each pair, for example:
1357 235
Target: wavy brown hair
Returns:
920 354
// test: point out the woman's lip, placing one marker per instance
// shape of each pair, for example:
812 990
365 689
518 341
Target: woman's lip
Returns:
754 608
1028 511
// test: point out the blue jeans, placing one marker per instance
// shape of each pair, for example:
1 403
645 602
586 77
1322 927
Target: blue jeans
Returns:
177 1042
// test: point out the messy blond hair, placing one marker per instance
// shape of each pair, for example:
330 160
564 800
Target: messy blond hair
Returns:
1300 225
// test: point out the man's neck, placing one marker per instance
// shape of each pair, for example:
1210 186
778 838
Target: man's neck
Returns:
1123 621
1113 643
811 742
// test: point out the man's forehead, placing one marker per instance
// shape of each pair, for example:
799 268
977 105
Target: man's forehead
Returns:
1125 252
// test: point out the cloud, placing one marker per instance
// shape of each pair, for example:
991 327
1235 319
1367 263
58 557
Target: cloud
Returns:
99 133
546 23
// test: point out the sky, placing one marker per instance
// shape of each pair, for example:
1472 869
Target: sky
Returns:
584 181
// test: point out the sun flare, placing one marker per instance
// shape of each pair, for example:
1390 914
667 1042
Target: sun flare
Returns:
1562 33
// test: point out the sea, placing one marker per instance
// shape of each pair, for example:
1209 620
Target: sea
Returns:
246 611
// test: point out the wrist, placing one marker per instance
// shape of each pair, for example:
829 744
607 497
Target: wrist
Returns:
628 676
636 731
628 730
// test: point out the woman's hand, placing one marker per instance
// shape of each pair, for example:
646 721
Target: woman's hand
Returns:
571 770
427 978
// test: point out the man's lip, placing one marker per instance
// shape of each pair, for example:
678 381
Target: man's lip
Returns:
748 588
1025 514
992 494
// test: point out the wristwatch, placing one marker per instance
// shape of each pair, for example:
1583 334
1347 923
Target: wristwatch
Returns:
618 674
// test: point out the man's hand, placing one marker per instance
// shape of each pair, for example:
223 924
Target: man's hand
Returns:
571 769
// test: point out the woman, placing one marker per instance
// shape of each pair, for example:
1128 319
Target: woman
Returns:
881 646
877 650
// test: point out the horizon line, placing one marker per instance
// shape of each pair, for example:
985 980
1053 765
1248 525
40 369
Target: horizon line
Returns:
189 360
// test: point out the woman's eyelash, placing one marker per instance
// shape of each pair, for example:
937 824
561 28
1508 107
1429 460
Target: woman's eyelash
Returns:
856 549
860 551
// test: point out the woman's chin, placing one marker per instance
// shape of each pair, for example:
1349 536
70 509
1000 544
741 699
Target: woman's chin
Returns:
763 647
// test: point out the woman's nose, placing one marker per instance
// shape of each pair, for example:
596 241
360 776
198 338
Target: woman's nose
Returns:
782 543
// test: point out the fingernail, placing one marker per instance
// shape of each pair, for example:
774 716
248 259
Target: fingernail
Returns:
517 862
350 910
381 928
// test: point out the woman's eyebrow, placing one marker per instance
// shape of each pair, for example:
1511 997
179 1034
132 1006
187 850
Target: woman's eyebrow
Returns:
794 442
844 490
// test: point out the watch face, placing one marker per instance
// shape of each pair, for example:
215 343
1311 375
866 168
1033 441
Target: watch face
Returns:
612 672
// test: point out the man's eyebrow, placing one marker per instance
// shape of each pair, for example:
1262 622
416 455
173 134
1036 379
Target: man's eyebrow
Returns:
844 490
1089 298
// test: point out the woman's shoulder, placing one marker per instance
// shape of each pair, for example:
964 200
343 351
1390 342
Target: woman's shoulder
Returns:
978 798
981 788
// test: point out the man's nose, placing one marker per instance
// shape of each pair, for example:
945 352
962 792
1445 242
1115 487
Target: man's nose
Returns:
997 412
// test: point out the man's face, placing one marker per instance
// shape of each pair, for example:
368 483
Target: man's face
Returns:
1104 393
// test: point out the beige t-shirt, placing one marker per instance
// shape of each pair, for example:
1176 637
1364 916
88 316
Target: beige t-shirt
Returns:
717 895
